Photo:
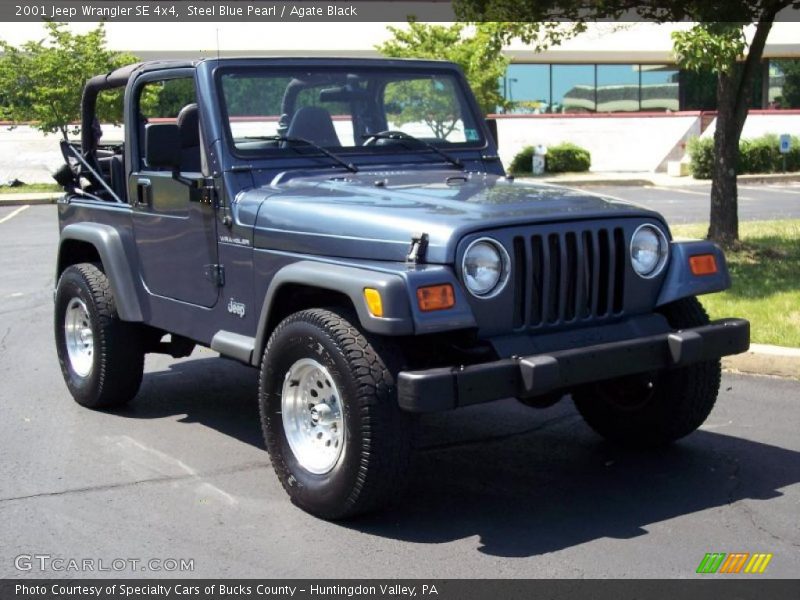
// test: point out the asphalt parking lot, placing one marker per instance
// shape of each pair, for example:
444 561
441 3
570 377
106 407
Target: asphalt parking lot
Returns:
497 491
690 203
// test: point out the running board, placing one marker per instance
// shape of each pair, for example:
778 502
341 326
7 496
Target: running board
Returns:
233 345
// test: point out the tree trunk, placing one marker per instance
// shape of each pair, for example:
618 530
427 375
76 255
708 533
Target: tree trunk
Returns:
724 217
734 89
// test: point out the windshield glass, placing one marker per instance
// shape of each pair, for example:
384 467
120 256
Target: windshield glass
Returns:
340 109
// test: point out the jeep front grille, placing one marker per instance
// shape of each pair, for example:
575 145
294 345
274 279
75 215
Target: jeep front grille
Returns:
568 277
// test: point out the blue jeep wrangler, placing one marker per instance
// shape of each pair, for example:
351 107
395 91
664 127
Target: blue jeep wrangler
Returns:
346 227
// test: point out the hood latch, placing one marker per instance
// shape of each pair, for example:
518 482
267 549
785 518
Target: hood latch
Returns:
419 244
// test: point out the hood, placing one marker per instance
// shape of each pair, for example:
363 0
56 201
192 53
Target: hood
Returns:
373 215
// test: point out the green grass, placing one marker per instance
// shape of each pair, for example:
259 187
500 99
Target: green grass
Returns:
765 276
27 188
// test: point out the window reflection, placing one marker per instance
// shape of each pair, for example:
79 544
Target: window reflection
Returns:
570 88
659 88
617 88
573 88
528 87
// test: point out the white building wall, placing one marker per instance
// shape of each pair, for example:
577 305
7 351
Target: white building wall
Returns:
762 124
631 143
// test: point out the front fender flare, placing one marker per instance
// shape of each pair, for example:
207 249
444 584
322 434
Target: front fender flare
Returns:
351 281
111 248
680 282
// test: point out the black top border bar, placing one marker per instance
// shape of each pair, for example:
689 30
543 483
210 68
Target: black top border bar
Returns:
267 11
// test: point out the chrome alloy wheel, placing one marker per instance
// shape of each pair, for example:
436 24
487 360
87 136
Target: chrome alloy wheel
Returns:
79 337
313 421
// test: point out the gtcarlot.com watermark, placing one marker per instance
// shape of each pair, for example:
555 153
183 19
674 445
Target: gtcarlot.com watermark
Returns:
47 563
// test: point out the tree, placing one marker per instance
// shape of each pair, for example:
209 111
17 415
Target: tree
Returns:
721 46
42 81
432 101
717 47
477 52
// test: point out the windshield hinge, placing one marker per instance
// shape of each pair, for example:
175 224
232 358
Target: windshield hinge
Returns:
216 274
419 244
208 192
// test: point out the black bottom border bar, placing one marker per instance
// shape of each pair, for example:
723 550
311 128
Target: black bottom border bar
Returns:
710 587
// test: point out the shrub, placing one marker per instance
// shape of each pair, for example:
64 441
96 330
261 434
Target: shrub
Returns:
522 163
757 155
562 158
567 158
701 155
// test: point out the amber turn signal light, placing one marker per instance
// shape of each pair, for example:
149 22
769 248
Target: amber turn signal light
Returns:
374 302
436 297
703 264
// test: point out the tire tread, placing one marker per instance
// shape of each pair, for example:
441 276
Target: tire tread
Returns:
120 364
386 441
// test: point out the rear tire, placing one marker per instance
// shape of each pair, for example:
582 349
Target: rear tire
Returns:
654 409
337 439
101 357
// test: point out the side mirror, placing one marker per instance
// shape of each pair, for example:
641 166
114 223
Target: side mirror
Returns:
162 146
492 125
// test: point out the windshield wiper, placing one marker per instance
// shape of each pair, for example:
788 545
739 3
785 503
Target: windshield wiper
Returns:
296 140
402 135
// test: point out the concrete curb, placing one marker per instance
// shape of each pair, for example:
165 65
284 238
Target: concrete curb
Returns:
766 178
657 179
610 182
30 199
590 180
763 359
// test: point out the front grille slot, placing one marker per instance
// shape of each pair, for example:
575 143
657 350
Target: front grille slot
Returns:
565 277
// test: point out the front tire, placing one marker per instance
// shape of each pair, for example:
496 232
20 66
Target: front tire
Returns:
101 356
654 409
337 439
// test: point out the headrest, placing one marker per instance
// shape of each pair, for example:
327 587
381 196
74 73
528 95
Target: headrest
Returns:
189 124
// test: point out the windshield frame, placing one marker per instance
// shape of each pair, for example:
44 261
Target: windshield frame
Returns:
425 69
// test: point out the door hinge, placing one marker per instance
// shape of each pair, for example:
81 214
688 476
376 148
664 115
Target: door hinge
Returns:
216 274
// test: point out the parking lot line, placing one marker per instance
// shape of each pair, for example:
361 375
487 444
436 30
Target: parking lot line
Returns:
694 193
679 190
10 216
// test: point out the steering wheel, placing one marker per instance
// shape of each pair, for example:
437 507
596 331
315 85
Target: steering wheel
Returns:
377 139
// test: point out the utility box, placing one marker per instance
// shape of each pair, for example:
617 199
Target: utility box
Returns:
538 161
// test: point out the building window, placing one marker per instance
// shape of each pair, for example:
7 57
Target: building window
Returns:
617 88
659 88
528 87
784 83
698 90
573 88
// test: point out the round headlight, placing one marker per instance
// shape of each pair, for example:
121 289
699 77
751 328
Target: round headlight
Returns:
649 249
485 267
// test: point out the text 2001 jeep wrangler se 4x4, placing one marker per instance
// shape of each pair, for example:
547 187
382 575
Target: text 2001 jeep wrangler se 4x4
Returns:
346 227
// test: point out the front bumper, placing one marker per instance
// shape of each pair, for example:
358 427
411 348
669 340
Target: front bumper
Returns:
528 376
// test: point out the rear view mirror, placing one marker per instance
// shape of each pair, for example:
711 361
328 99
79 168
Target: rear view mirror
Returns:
162 146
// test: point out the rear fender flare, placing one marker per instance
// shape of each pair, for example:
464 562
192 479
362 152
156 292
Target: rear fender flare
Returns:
116 264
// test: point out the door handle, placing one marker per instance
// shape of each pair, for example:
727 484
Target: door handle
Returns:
144 194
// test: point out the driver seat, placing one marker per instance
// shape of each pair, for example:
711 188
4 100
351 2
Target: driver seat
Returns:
314 124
